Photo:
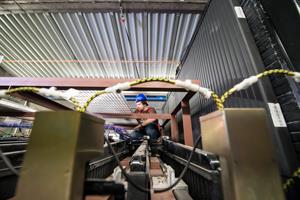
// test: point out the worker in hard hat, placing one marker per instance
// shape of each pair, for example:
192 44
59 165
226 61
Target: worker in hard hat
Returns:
148 127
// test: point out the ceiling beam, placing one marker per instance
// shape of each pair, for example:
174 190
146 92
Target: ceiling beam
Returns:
40 100
104 115
36 6
86 83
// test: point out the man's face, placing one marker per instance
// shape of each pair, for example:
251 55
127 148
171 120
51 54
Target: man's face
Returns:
140 106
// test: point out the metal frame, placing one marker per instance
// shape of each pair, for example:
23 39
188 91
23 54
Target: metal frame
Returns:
187 120
86 83
189 6
99 84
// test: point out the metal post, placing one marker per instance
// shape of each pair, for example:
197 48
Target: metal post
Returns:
187 123
174 128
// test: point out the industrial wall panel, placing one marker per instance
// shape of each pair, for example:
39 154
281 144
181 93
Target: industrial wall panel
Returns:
274 57
224 53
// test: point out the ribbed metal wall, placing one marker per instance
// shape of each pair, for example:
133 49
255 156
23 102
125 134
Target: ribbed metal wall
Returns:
220 57
223 54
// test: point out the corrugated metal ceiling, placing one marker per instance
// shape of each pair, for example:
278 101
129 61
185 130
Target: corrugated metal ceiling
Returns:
95 44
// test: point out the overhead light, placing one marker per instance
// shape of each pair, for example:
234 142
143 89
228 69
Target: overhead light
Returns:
146 93
149 98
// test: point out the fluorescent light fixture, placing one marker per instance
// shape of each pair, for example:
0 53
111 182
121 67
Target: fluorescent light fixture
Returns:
146 93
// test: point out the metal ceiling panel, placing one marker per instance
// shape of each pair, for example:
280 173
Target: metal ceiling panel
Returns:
95 44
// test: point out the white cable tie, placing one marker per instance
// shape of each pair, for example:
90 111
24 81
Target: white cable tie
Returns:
191 86
188 85
3 93
51 92
180 83
118 87
70 93
124 86
205 92
111 89
296 77
43 91
246 83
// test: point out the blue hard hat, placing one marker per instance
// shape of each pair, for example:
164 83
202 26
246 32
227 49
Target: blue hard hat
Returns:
140 97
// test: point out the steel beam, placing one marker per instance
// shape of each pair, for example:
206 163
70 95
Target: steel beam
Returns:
186 98
17 114
40 100
86 83
174 129
38 6
187 124
104 115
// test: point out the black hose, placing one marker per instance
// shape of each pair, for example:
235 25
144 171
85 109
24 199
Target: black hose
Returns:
146 189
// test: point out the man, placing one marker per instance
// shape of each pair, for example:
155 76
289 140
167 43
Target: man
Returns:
146 126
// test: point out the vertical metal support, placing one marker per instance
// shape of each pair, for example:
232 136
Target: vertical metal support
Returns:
60 146
174 128
242 139
187 124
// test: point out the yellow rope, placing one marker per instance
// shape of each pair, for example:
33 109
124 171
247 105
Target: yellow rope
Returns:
228 93
136 82
275 71
22 89
290 181
87 103
144 80
36 90
76 103
217 101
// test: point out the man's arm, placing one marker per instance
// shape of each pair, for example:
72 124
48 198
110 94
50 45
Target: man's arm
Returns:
144 123
148 121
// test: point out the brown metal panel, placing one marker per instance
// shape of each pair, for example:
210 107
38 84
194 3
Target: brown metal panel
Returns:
242 139
57 153
186 98
174 128
17 114
86 83
187 124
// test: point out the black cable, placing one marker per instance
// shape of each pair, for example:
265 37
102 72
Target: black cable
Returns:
184 170
8 163
146 189
129 40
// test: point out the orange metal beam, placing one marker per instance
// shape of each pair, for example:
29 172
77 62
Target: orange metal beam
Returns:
86 83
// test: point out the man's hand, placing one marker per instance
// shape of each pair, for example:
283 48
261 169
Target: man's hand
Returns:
138 127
